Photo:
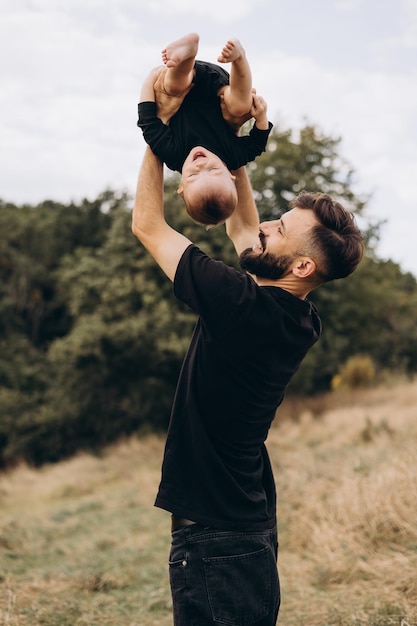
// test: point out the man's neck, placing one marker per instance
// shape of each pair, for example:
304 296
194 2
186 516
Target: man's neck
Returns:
288 283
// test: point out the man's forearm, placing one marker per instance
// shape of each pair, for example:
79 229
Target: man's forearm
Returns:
242 227
164 243
246 213
148 209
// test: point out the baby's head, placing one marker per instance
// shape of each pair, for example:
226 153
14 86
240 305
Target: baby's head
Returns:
207 188
211 207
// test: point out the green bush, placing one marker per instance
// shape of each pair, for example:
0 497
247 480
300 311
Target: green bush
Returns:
358 372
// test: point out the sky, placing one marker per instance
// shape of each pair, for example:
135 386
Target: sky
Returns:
71 72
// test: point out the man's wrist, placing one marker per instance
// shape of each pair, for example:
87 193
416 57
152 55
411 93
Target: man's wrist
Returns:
262 124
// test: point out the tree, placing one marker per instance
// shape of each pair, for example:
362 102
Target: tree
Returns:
92 339
371 312
291 164
33 307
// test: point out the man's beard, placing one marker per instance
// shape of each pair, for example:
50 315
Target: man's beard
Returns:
265 265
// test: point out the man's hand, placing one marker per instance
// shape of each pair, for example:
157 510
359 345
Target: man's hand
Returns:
153 91
259 112
167 104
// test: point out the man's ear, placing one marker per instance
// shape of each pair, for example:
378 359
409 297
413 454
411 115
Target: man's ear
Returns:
304 267
180 189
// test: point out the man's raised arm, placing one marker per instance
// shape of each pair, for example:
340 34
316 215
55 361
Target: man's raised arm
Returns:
165 244
242 227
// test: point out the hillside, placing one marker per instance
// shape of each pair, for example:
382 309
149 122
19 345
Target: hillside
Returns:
81 543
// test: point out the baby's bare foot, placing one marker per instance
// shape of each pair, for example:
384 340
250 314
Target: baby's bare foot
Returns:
232 51
180 50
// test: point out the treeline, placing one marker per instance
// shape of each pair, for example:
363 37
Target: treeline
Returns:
91 338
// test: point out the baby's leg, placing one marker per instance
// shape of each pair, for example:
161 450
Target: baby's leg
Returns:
238 94
179 58
234 121
167 104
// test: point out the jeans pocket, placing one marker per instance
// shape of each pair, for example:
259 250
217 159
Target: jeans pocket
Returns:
239 587
177 575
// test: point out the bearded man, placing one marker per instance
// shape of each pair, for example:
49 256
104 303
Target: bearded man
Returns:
254 328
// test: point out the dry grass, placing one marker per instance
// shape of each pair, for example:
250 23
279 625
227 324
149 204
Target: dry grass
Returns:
81 543
347 486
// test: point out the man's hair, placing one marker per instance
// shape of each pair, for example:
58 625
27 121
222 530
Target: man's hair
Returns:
336 244
212 209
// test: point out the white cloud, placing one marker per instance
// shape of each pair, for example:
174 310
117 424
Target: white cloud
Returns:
410 23
347 5
215 10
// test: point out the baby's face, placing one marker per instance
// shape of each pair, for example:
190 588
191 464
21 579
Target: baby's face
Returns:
203 170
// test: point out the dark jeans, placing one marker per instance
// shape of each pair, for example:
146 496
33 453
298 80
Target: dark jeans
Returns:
224 577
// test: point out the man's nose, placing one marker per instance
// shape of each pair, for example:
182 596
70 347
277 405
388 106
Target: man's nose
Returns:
264 226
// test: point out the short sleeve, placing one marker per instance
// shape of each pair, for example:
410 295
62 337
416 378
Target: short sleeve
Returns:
219 294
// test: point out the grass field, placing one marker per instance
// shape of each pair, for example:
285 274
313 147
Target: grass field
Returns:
82 545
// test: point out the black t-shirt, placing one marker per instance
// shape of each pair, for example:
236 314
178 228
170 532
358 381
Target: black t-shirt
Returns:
199 122
247 344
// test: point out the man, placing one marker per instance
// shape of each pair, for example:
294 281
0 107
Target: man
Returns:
254 328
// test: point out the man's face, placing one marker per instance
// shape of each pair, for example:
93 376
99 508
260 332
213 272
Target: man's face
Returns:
280 244
202 171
